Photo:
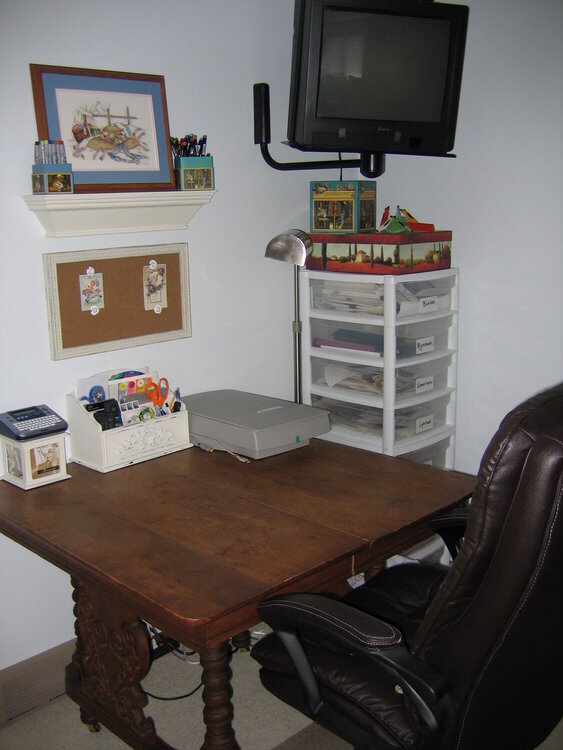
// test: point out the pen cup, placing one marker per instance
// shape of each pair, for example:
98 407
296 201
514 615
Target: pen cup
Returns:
194 172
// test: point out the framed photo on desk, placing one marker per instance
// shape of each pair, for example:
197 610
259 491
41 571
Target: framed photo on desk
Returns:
114 126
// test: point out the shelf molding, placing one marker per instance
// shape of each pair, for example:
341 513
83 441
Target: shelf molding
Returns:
113 213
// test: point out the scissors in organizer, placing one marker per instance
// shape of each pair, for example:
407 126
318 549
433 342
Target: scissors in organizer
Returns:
158 392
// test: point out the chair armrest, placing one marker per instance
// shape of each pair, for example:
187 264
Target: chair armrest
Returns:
356 630
454 517
450 525
350 626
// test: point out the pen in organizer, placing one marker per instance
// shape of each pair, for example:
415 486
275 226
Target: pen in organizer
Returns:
189 145
173 403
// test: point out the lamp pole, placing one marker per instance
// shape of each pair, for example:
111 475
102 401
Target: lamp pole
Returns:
292 247
297 328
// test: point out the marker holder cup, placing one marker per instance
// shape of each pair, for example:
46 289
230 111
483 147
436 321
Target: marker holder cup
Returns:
194 172
50 179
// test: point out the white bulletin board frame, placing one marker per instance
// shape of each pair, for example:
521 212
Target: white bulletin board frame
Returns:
123 320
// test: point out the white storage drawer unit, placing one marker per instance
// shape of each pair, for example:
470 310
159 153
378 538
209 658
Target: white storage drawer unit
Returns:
379 353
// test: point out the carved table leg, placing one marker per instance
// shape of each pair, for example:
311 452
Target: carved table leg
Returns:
92 724
112 656
217 694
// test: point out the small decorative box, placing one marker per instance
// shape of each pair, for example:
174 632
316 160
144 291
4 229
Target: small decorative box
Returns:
381 252
32 463
343 206
194 172
51 178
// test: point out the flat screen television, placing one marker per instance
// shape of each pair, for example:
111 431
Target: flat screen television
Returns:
376 76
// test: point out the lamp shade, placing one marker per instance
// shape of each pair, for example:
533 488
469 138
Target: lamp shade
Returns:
291 247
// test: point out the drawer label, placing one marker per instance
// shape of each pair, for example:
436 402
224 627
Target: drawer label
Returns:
428 304
424 345
424 384
424 423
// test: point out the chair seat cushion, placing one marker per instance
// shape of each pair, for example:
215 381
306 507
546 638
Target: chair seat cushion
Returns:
352 686
400 595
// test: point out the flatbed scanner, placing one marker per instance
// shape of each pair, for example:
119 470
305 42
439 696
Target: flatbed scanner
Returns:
250 424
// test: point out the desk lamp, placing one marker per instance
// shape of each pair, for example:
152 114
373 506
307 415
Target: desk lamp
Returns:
292 247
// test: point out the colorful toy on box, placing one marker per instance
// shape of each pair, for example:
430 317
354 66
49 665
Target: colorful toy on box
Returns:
402 221
402 245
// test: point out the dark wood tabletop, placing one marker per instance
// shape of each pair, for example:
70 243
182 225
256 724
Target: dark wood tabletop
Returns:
192 542
193 537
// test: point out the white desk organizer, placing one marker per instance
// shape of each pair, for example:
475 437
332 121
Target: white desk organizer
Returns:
107 450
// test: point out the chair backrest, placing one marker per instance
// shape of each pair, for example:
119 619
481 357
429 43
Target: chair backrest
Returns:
496 625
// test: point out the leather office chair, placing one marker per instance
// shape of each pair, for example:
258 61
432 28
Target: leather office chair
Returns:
465 658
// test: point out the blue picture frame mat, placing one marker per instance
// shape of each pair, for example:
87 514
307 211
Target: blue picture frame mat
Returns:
52 81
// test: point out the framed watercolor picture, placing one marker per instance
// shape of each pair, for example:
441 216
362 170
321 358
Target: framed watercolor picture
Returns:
114 126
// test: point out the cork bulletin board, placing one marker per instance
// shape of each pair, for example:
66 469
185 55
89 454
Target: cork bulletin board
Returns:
114 298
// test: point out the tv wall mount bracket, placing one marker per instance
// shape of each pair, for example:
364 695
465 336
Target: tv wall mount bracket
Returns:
371 164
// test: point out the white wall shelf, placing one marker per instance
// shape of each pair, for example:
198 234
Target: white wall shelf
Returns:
108 213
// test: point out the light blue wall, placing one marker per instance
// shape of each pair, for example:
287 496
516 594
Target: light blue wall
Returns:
501 197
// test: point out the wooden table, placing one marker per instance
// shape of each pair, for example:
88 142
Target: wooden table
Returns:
193 541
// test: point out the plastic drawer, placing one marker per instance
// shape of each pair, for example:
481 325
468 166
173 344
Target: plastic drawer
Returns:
347 297
424 337
351 337
409 421
413 297
348 376
413 339
421 377
432 455
411 380
416 297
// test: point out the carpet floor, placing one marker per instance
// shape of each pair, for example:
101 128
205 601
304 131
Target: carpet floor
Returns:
261 722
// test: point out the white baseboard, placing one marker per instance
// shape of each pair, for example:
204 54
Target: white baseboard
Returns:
33 682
